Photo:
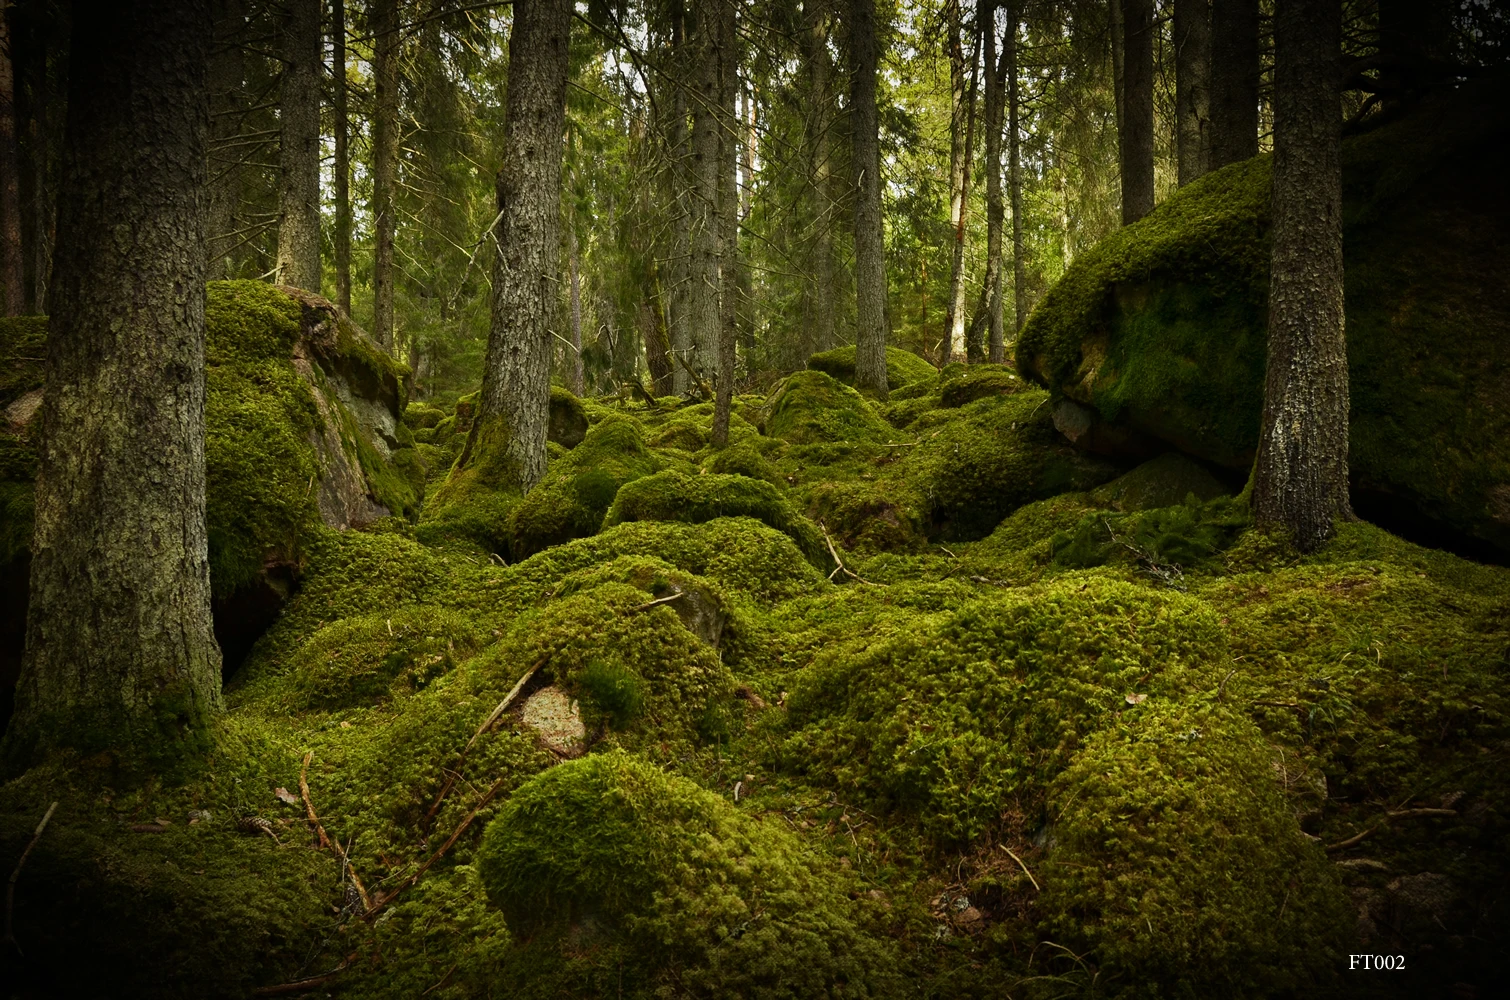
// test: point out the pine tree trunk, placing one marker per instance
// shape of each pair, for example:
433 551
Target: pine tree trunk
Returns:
657 342
679 146
578 380
12 268
1136 136
961 134
119 649
1014 176
515 406
728 220
226 80
870 247
703 278
1300 478
1234 81
1119 52
299 149
988 318
383 16
820 284
1192 73
342 165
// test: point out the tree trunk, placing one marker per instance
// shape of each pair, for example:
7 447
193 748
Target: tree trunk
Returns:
988 320
961 152
1300 478
226 82
1136 137
728 219
870 246
657 343
1014 176
383 17
299 149
342 166
12 269
578 382
119 649
702 294
1119 51
678 143
515 406
1192 74
820 285
1234 81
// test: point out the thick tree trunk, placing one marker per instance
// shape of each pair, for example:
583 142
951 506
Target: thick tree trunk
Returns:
515 407
341 238
702 294
961 153
12 268
383 16
870 244
1136 137
1234 81
1192 75
820 290
728 220
226 81
1300 478
578 380
299 149
1014 176
679 147
1119 51
119 649
987 322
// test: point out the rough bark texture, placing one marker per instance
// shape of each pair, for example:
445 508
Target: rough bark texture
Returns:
961 132
1300 477
728 219
1135 140
988 312
119 648
820 290
226 77
702 293
341 125
1234 81
1119 50
12 271
383 16
657 338
678 144
578 377
1014 176
1192 75
870 249
512 420
299 149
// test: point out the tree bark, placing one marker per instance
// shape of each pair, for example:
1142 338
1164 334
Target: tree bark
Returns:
12 268
657 342
299 149
870 245
578 381
515 406
702 293
728 219
1119 52
226 81
820 285
1014 176
383 16
1300 478
1192 74
678 144
342 165
119 649
988 321
1136 137
961 153
1234 81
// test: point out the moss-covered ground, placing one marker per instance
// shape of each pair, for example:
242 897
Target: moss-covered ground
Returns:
1053 728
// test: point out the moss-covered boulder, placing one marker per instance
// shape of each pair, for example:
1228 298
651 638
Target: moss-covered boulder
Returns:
579 487
902 367
672 496
978 382
610 865
813 407
1160 329
568 419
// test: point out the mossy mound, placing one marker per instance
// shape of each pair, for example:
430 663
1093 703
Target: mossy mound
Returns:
568 419
1161 327
980 381
815 408
902 367
1160 482
577 490
870 514
1177 863
420 416
611 861
672 496
743 458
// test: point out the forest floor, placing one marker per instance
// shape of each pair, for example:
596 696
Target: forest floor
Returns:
903 699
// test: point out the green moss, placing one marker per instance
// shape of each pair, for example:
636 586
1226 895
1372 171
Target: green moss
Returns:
813 407
577 490
707 899
568 418
1177 866
418 415
902 367
743 458
979 382
870 514
474 503
671 496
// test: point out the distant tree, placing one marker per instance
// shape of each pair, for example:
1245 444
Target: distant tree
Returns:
299 148
986 335
962 88
383 18
870 259
341 168
510 428
1136 135
1301 476
119 649
1192 75
728 218
1234 81
12 270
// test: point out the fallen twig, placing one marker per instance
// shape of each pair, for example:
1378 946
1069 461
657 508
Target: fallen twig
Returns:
303 985
1024 867
840 568
1349 842
1418 813
15 875
309 807
660 600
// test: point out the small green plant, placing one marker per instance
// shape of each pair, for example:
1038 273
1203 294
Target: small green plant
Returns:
616 689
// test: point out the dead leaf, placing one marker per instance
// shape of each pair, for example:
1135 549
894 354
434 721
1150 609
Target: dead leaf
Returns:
285 796
1136 699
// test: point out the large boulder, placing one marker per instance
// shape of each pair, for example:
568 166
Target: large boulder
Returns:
1157 335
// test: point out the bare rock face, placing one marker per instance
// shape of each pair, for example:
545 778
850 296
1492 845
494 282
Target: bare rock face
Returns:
556 720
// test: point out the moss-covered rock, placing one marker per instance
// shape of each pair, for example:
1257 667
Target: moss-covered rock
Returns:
1161 327
672 496
813 408
980 381
902 367
672 885
568 419
577 490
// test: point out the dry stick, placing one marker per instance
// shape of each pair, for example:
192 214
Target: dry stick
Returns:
304 985
1349 842
309 807
389 897
1389 815
662 600
831 551
1024 867
10 889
